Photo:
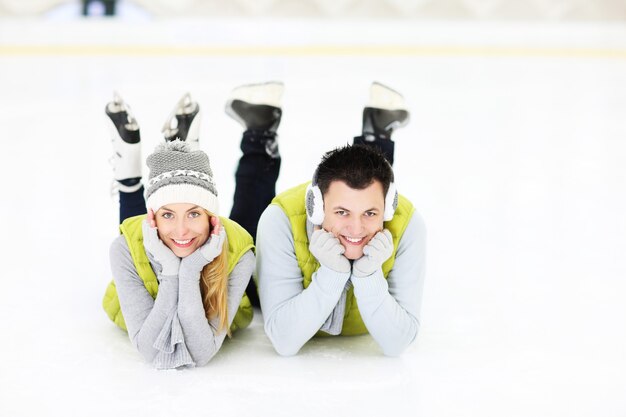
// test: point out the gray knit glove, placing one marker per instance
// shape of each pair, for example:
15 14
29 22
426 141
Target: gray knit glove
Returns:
205 254
377 251
329 251
162 254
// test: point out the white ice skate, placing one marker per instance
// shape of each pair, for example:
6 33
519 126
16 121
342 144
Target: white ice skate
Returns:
126 141
184 122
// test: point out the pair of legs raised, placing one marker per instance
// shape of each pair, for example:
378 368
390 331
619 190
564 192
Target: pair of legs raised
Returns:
257 107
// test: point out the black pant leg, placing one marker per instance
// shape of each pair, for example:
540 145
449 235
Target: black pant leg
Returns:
255 187
132 204
386 146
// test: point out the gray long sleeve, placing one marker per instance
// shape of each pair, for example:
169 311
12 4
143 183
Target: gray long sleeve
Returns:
145 317
390 308
201 337
292 314
148 319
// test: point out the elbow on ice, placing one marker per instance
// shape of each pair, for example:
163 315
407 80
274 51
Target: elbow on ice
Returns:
396 349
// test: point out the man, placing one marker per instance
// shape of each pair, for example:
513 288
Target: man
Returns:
345 254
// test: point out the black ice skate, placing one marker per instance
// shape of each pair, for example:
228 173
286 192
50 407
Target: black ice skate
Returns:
384 113
184 122
125 138
257 107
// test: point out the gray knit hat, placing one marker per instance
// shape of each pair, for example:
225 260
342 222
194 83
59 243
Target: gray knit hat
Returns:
180 175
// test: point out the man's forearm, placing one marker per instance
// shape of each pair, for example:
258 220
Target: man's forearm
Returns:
390 325
390 307
291 321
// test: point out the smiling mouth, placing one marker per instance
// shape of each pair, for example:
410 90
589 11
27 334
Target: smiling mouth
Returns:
353 240
183 243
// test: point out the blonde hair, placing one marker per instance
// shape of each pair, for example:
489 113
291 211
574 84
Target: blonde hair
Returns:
214 287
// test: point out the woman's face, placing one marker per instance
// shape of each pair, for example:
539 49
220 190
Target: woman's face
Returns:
182 227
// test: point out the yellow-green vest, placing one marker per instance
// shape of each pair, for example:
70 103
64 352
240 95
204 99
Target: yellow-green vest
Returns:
292 203
239 242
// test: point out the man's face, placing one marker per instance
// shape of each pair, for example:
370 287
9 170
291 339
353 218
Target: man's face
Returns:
353 216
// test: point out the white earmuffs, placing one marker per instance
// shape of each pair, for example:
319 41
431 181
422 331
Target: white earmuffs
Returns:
314 202
391 202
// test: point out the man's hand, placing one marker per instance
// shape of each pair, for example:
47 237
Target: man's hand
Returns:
377 251
329 251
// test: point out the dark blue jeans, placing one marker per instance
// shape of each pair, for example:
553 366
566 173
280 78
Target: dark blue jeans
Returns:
386 146
132 204
255 180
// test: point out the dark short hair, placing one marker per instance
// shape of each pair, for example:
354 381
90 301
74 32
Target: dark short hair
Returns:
356 165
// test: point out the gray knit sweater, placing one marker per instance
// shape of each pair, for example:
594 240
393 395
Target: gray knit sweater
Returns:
172 331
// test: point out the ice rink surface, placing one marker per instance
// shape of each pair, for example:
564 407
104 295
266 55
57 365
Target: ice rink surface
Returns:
515 156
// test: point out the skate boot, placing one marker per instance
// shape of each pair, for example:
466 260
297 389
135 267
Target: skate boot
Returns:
384 113
184 122
125 137
257 107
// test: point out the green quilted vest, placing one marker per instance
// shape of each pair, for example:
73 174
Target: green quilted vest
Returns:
239 242
292 203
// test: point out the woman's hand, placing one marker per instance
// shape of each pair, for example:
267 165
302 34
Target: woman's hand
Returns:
153 244
214 244
211 249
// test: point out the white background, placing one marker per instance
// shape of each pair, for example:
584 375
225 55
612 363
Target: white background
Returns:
514 156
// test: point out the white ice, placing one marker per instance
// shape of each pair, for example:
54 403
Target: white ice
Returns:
515 156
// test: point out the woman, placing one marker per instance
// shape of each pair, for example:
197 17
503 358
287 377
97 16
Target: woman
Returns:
180 271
